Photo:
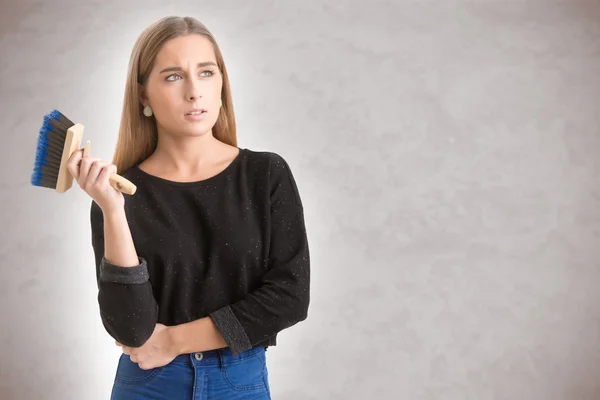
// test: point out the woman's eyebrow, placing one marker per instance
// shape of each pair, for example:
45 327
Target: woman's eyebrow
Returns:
200 65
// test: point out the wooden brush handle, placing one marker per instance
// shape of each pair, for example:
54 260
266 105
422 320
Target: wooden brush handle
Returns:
121 184
116 181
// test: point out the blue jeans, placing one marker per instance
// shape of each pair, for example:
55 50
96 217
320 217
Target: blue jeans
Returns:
215 374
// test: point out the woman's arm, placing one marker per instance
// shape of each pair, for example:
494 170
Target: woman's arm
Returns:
127 306
118 243
198 335
283 298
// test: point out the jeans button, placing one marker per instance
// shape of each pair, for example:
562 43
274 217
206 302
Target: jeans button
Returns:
199 356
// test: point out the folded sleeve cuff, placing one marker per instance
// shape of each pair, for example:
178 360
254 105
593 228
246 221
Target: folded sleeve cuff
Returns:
233 332
131 275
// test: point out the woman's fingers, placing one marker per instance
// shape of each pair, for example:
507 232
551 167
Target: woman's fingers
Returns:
73 163
93 176
84 171
107 170
94 172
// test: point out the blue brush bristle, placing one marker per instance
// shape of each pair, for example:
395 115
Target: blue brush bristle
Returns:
41 155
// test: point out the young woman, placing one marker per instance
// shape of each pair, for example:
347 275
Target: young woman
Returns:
201 268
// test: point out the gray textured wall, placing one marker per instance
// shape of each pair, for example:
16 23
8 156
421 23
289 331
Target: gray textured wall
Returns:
447 154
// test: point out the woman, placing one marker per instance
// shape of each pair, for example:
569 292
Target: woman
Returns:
201 268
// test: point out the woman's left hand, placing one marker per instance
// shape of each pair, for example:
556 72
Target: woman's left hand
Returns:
158 351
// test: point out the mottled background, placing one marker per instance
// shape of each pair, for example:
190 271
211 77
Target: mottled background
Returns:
447 155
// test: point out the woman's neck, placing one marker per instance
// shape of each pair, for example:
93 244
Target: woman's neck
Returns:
186 154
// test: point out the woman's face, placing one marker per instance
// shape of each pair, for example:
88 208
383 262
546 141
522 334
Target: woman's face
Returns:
185 77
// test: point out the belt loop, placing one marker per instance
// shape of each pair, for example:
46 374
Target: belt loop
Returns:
220 355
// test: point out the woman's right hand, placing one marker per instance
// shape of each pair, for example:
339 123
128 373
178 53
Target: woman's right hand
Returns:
92 176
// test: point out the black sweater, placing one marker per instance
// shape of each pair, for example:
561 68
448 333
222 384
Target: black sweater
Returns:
232 247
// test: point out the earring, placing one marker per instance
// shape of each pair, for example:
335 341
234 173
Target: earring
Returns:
221 100
148 111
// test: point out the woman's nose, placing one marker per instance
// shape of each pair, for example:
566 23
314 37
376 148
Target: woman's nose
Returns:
193 91
194 94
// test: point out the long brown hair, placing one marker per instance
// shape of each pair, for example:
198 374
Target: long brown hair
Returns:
138 134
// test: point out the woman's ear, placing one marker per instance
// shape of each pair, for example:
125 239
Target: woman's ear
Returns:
142 98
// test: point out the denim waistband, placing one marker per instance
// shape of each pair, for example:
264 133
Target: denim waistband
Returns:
217 357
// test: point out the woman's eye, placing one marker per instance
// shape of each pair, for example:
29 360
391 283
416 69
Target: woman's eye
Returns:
207 73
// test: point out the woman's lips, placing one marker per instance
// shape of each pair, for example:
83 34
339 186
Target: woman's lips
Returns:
195 115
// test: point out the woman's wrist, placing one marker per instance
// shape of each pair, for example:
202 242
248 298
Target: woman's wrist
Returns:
196 336
114 214
174 333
